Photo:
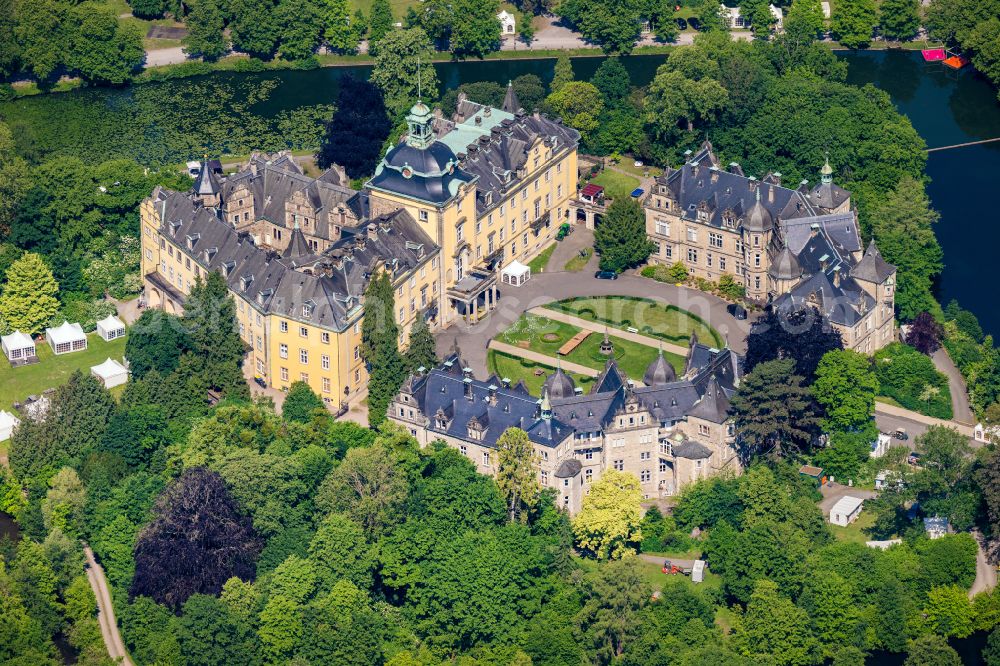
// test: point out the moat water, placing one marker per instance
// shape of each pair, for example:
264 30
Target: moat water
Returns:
945 107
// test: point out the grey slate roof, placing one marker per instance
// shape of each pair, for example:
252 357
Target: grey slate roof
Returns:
659 372
872 267
511 104
207 183
560 385
692 450
434 174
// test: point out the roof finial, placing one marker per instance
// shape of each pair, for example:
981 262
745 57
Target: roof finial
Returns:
757 190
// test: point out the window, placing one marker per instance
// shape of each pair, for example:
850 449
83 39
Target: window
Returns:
589 455
618 465
324 361
756 259
663 467
645 476
423 216
324 337
588 475
692 234
715 240
304 377
692 256
545 478
283 327
663 228
722 263
303 332
463 449
284 374
260 344
326 385
644 455
303 356
283 351
486 458
708 259
704 430
460 231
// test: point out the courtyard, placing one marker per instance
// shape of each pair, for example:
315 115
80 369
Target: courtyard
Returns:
665 322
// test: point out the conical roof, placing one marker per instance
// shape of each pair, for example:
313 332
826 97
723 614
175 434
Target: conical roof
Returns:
511 104
298 246
206 183
872 267
713 406
659 372
785 266
758 219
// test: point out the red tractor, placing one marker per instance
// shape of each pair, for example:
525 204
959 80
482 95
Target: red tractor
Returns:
671 569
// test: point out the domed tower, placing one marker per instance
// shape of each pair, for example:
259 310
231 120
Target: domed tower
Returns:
559 385
758 225
659 372
419 122
784 272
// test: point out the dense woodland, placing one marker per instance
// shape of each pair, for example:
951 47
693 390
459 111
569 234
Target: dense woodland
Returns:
232 534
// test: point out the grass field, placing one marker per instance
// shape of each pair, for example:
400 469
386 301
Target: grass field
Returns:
542 334
633 358
854 533
615 184
579 262
651 318
18 383
539 263
518 369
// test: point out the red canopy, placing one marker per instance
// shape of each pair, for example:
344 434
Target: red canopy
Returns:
591 190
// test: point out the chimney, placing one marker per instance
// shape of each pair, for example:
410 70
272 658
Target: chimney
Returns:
468 387
813 230
479 121
372 231
823 261
776 177
486 112
770 194
752 183
836 277
493 395
715 174
337 262
505 382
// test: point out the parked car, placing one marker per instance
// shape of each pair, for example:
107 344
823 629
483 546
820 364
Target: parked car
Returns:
900 434
913 458
606 275
681 23
737 311
694 23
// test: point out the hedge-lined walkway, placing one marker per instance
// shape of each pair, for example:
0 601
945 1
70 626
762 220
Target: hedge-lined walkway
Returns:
599 328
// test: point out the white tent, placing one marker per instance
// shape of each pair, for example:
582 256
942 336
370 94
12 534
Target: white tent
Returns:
846 510
111 373
111 328
7 424
515 274
18 347
66 337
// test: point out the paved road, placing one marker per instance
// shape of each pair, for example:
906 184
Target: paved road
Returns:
105 610
833 492
547 287
168 56
956 384
986 573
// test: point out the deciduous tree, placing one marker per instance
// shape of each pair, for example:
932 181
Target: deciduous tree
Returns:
802 335
402 61
931 650
300 403
205 23
477 32
608 522
155 342
254 27
379 24
899 19
368 486
210 322
28 300
853 23
517 472
775 629
804 21
613 597
579 104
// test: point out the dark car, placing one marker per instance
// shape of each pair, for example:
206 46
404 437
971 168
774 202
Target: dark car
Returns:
606 275
913 458
900 434
681 23
694 23
737 310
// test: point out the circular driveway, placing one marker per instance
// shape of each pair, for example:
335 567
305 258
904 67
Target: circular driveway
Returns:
544 288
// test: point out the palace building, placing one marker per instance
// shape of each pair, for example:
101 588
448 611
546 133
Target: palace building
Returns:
788 247
448 207
668 431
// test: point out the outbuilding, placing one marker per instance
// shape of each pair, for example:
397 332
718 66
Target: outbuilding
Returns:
66 338
515 274
7 424
846 510
508 24
111 328
111 373
19 348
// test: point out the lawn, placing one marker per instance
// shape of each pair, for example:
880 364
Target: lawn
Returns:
579 262
668 322
615 184
854 533
542 334
539 263
399 7
633 358
52 370
518 369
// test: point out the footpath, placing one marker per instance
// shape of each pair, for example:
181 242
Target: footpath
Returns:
612 331
105 611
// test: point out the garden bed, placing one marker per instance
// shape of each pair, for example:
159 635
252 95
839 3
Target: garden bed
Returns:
669 323
518 369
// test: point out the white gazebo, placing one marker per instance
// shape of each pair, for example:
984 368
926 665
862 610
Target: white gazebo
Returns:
19 348
508 25
515 274
111 373
7 424
846 510
111 328
66 338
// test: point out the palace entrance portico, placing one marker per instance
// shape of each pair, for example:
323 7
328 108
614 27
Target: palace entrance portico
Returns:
474 295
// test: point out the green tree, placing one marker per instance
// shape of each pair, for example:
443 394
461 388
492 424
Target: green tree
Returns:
708 12
677 272
62 508
931 650
369 486
902 224
804 21
209 633
674 99
608 522
834 617
613 598
28 300
579 104
853 23
775 630
612 80
280 628
773 412
254 28
14 183
985 49
899 19
379 25
155 342
402 61
41 31
205 22
846 387
102 49
761 18
949 612
379 348
300 403
517 472
620 238
339 551
563 73
991 653
300 27
339 30
478 31
210 322
526 28
421 351
147 9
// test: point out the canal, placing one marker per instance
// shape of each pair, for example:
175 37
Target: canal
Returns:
237 112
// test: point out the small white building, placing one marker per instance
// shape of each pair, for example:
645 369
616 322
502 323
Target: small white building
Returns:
7 424
880 446
846 510
19 348
508 25
111 373
515 274
825 7
66 338
111 328
698 571
737 21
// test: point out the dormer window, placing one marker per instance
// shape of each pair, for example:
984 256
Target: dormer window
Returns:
228 268
210 253
192 240
245 282
307 309
174 226
264 295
